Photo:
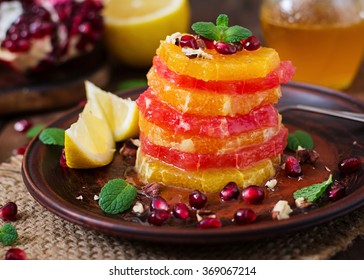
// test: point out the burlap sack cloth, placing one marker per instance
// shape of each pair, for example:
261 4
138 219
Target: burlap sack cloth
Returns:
45 236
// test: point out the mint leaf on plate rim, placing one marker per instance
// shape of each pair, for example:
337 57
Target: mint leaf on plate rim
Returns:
52 136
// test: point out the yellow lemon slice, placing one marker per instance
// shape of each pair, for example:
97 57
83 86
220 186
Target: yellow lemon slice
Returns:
89 142
122 115
134 28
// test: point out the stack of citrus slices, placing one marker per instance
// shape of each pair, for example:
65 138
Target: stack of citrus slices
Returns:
208 116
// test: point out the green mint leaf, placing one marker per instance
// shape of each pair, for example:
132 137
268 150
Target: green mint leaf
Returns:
33 131
8 234
132 83
207 30
222 20
313 192
221 31
52 136
299 138
236 33
116 196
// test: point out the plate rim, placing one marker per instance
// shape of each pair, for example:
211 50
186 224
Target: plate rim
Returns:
129 230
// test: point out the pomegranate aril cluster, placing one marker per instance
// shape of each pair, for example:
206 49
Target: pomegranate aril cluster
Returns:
252 43
61 29
159 211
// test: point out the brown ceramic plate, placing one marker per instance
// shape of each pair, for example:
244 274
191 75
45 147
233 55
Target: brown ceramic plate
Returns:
56 188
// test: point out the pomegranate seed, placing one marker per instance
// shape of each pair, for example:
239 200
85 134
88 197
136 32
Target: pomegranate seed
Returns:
197 199
230 192
225 48
349 165
239 46
23 125
209 43
244 216
15 254
21 150
62 160
337 191
180 210
209 222
292 167
252 43
188 41
159 203
158 217
253 194
8 211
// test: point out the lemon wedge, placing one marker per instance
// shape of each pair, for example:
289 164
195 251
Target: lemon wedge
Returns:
122 115
134 28
89 141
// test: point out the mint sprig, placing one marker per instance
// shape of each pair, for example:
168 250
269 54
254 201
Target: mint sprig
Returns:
313 192
221 31
8 234
116 196
299 138
52 136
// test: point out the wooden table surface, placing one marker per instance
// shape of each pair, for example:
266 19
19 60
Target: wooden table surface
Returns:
244 13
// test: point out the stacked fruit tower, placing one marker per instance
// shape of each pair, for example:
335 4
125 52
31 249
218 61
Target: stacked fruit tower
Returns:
208 115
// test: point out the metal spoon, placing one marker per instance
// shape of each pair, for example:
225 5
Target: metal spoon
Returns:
336 113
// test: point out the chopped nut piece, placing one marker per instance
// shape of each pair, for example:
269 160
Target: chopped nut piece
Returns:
172 39
201 44
80 197
307 155
200 214
196 53
301 202
138 208
151 189
281 210
128 149
271 184
136 142
96 197
327 169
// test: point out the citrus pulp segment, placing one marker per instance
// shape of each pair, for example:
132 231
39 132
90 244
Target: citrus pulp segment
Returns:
241 158
207 103
204 145
211 180
240 66
89 142
167 117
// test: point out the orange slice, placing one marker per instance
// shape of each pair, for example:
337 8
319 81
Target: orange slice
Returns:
213 180
208 103
239 66
203 145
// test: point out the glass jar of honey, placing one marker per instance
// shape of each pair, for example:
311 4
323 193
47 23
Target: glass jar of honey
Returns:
323 39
